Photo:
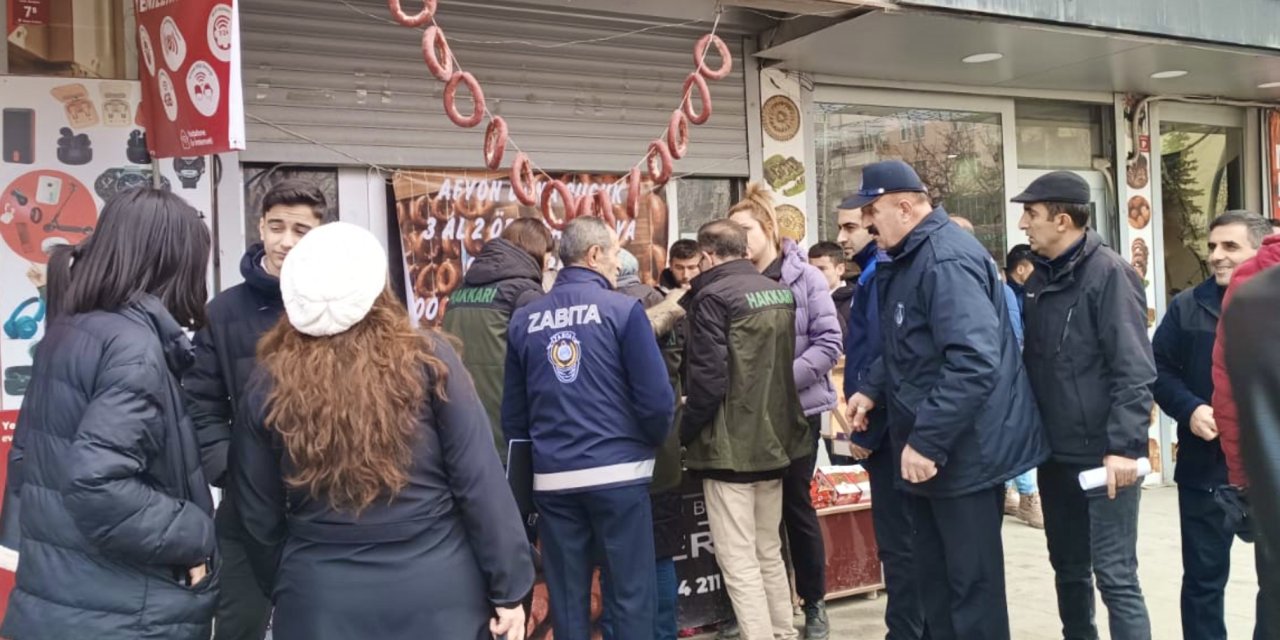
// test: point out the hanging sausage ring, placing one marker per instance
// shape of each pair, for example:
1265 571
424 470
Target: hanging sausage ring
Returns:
421 18
695 80
495 142
678 134
566 197
700 52
633 194
436 52
477 99
659 162
597 204
522 181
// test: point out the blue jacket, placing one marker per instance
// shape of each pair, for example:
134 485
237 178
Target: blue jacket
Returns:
586 382
951 375
1183 347
1014 304
862 345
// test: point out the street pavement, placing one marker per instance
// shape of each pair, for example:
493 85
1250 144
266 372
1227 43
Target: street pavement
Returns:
1033 610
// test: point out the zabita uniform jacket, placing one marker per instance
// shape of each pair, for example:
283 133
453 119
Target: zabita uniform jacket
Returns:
586 383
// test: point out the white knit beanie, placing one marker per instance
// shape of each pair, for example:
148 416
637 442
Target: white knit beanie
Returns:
331 279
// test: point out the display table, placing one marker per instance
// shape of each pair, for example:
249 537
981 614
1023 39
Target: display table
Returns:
853 563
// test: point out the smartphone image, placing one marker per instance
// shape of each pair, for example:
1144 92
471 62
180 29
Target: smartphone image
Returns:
19 136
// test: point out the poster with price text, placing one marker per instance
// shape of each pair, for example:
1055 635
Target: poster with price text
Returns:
69 145
446 217
189 65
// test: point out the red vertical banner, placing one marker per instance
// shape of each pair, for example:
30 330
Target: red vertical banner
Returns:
1273 145
190 72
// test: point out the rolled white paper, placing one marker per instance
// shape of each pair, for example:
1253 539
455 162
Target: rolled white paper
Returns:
1094 478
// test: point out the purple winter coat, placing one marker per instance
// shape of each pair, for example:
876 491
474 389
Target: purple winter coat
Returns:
818 339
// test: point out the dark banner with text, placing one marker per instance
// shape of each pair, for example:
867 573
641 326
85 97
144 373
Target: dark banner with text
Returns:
446 217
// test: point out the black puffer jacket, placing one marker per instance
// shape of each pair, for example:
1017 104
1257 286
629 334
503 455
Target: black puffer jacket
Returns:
114 502
225 356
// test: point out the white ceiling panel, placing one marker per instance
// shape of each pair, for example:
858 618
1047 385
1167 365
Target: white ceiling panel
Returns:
929 48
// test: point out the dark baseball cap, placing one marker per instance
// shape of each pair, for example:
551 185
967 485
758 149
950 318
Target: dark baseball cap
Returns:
879 178
1058 186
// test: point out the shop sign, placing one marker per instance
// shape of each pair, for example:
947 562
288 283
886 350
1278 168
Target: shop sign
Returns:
446 217
190 70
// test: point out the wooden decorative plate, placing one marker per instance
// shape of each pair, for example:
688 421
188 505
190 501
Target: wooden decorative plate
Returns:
791 222
781 118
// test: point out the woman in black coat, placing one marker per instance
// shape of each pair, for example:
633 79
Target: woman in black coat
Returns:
116 518
364 466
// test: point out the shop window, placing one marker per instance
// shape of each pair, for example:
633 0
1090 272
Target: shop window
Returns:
702 200
958 154
259 179
1059 135
75 38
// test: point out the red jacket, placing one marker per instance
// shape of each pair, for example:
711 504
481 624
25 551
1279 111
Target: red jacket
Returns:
1224 403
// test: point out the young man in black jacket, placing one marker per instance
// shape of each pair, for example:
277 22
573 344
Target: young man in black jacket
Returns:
683 265
1183 346
1091 367
225 358
828 257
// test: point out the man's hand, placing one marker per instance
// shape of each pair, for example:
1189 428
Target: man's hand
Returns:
1121 472
508 623
858 453
1203 424
859 407
917 468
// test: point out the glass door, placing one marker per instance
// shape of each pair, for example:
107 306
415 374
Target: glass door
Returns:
961 147
1201 176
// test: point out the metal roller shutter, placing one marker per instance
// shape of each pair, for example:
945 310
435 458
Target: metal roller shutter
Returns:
357 83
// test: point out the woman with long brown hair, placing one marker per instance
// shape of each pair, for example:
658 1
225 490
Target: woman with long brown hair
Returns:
365 467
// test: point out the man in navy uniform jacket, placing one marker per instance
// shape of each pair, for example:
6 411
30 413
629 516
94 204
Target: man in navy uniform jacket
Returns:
586 383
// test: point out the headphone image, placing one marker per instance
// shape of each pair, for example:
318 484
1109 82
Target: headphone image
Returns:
20 327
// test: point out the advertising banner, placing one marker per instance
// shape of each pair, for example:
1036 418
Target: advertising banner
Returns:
68 145
189 50
8 557
445 217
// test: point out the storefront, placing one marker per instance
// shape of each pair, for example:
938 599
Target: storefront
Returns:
1168 134
339 92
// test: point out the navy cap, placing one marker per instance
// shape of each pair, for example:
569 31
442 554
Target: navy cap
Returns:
879 178
1058 186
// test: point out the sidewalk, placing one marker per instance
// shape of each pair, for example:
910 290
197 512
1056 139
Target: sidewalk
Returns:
1032 603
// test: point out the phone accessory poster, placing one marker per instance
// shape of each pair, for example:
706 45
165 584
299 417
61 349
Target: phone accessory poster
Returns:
190 70
68 146
446 217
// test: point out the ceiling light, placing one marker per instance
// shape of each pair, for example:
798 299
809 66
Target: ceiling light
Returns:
978 58
1269 85
1171 73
